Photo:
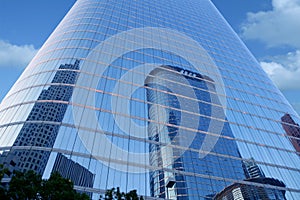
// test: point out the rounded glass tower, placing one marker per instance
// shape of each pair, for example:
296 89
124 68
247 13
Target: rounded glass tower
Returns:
160 96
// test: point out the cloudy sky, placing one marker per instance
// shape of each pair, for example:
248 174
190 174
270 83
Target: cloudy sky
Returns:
270 29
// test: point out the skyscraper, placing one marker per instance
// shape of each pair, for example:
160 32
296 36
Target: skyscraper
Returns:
162 97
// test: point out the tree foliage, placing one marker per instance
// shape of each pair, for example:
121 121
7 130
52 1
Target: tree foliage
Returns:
3 191
115 194
30 186
57 188
24 185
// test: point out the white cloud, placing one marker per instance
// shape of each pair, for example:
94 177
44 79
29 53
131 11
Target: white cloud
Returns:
290 61
284 70
14 55
279 26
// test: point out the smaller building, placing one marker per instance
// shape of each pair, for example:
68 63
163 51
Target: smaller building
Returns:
66 167
251 191
72 170
292 129
251 169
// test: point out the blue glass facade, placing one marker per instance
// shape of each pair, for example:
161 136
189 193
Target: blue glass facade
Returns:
159 96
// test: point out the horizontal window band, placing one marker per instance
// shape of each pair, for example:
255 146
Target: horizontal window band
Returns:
149 167
159 144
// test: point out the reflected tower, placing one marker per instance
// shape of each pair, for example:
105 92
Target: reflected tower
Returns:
35 133
166 105
267 188
251 169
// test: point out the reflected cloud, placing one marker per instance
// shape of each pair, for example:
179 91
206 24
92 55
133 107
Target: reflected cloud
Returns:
284 70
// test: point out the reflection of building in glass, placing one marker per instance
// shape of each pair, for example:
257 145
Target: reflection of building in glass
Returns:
43 123
73 171
251 169
167 106
292 129
259 186
243 191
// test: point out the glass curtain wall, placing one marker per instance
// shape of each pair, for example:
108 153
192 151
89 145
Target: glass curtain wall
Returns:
160 96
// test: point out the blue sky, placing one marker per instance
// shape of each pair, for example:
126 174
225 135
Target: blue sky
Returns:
270 29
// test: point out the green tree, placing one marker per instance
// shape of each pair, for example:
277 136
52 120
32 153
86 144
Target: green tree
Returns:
30 186
57 188
132 195
2 172
115 194
3 191
25 185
